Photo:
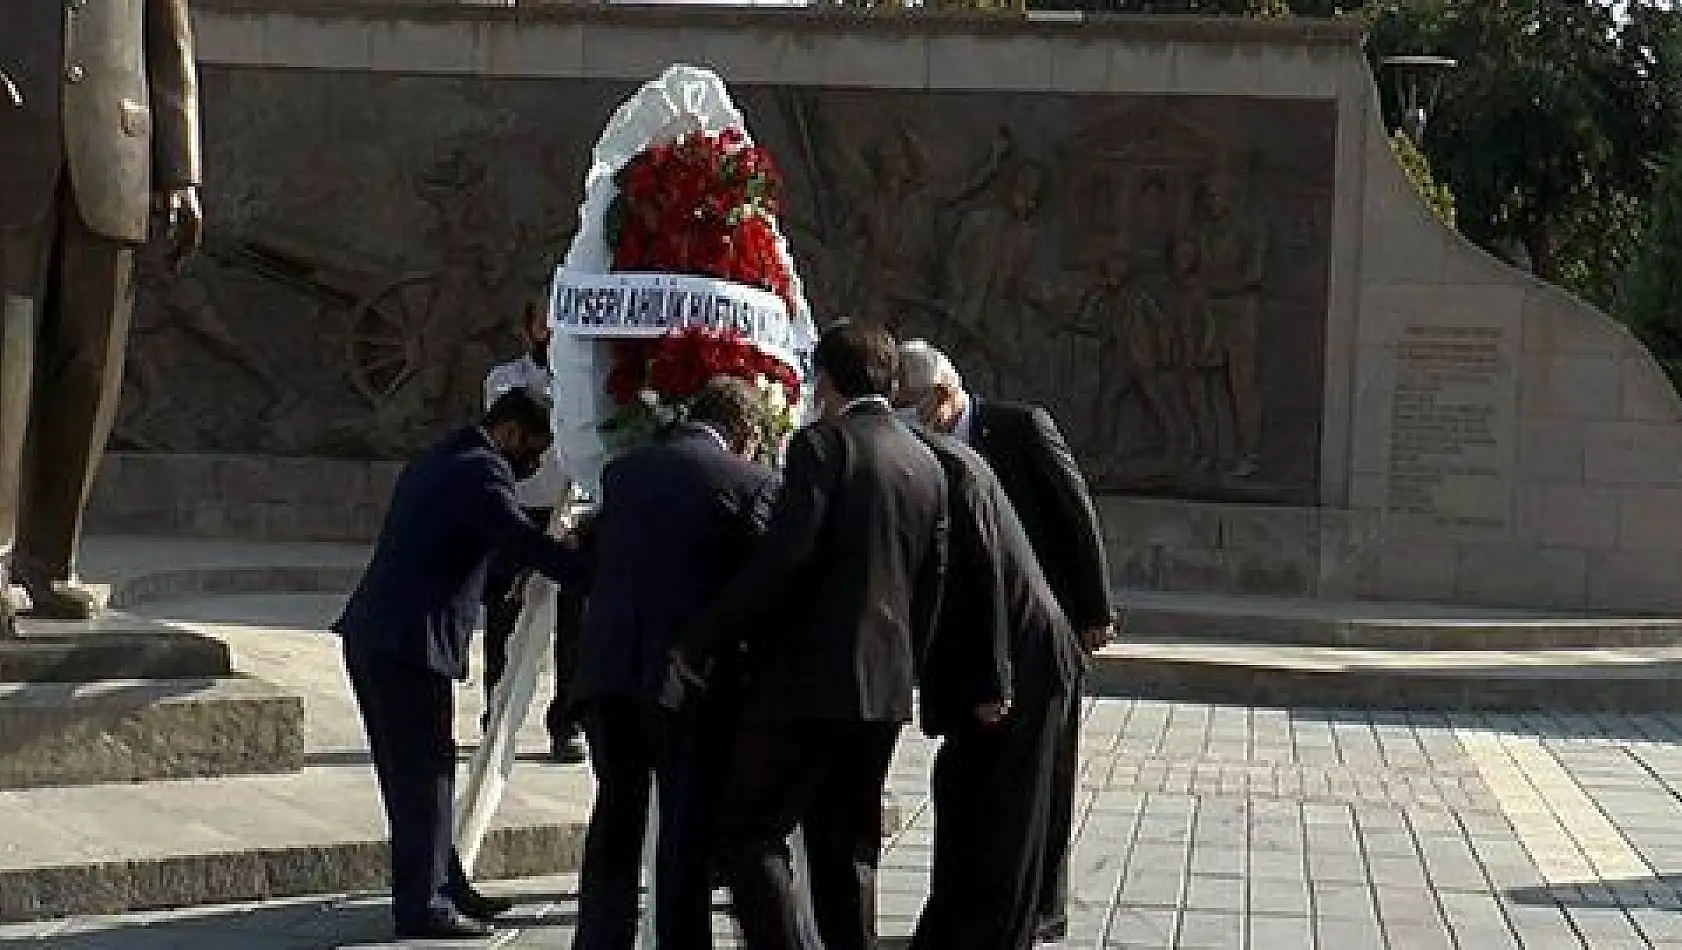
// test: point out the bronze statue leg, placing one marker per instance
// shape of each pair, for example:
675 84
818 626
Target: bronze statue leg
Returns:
23 262
84 330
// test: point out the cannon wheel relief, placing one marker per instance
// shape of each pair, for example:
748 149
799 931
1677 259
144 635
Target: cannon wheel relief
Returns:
387 334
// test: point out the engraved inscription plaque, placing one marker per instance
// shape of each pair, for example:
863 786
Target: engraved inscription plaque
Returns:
1450 415
1152 269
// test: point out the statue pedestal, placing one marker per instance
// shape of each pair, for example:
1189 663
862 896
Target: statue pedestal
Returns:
120 699
108 647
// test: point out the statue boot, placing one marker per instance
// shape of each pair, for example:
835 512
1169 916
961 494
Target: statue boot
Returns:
17 369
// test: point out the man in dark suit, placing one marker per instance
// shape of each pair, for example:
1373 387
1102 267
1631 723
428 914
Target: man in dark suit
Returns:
997 679
406 631
835 605
677 520
1045 486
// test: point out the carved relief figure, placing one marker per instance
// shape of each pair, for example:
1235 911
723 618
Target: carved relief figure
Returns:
895 235
1154 223
183 308
1230 266
1128 308
474 254
1193 327
988 291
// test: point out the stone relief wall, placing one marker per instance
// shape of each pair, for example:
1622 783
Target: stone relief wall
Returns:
390 181
1153 269
1510 446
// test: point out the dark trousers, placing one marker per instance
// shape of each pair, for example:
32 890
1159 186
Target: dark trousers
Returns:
408 712
501 615
76 289
1065 775
825 776
633 744
992 802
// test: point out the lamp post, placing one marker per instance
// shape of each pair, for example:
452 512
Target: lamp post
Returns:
1419 82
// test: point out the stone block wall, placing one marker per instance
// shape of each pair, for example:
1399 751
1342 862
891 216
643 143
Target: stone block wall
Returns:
1563 487
257 498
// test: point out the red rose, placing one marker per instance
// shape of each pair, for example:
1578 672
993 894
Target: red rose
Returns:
699 205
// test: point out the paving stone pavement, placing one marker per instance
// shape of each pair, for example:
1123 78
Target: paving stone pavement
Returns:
1228 827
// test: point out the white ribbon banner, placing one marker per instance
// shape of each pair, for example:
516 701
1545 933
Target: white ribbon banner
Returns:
650 305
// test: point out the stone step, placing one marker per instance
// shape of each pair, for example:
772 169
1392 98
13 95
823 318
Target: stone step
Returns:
130 730
111 646
152 585
149 570
109 849
1632 680
1381 626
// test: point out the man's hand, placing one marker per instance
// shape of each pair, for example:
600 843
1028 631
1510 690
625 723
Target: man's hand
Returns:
13 96
685 673
991 714
183 220
1095 638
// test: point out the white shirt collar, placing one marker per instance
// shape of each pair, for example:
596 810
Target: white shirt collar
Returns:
533 369
964 428
862 401
714 434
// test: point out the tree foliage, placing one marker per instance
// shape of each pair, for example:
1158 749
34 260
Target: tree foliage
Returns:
1203 7
1547 130
1650 295
1418 170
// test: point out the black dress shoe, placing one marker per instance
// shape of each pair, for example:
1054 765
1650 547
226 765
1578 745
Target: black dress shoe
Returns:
1051 930
444 926
482 906
568 751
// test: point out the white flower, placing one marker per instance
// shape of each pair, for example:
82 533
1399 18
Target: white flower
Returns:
772 392
649 398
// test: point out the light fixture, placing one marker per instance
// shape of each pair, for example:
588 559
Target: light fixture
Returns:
1419 82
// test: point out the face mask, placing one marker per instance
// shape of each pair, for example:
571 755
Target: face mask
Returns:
524 462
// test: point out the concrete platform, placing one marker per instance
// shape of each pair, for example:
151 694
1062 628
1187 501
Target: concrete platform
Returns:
143 571
112 646
1382 626
1289 652
1214 671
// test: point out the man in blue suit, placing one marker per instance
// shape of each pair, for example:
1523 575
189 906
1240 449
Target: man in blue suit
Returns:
677 519
406 631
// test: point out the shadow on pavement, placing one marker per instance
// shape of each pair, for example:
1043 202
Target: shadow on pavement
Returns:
300 924
1661 891
1541 723
292 925
339 758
